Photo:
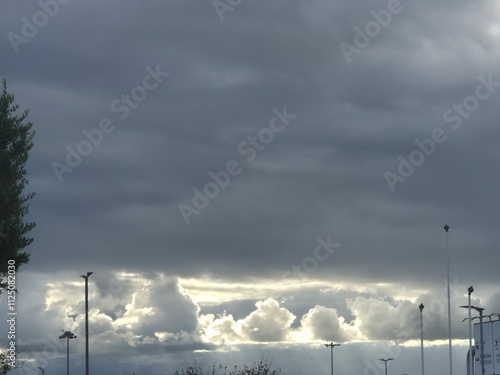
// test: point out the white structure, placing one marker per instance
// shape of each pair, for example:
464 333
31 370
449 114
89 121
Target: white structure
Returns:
491 333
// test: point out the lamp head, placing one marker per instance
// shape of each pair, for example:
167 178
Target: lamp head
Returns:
421 307
87 275
478 309
67 335
470 290
332 345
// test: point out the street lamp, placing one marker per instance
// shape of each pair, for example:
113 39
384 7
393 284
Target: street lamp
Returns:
421 307
385 363
86 277
447 228
496 314
480 311
331 345
67 335
43 370
471 364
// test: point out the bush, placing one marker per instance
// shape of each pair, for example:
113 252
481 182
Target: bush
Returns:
258 368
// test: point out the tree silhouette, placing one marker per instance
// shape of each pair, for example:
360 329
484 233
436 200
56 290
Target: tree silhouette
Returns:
16 140
258 368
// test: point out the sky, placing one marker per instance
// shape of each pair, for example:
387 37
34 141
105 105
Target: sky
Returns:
250 180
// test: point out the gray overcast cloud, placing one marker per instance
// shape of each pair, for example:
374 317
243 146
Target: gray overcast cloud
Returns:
250 178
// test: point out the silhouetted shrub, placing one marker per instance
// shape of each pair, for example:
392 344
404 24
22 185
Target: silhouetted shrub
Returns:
258 368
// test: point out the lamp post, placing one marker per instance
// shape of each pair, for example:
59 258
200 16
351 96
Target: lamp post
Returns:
86 277
68 335
385 362
421 307
331 345
447 228
471 364
42 369
481 337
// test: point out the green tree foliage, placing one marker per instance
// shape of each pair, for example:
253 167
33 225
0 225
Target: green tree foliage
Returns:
16 140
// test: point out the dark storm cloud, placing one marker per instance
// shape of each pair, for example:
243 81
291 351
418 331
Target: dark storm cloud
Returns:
322 175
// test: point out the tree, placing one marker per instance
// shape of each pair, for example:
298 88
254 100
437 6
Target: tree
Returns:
16 140
6 365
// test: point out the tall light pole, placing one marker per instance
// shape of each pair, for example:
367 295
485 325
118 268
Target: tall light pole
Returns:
447 228
481 336
42 369
331 345
86 277
67 335
385 362
421 307
471 364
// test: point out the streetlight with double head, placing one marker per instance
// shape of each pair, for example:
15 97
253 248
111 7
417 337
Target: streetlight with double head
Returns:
86 277
68 335
481 337
331 345
385 363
